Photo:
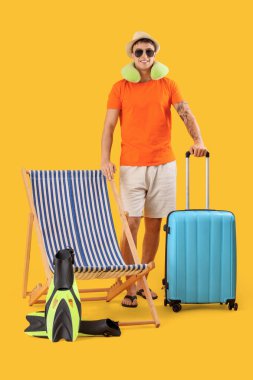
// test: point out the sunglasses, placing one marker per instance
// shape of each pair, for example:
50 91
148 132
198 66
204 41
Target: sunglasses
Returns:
138 52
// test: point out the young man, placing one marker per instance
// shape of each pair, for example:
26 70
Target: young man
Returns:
147 162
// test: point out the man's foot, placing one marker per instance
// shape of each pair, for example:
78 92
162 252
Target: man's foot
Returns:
129 301
141 293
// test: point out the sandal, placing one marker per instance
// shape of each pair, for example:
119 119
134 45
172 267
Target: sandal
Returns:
142 294
132 298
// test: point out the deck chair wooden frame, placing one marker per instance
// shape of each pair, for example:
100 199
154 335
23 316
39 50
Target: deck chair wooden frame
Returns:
118 287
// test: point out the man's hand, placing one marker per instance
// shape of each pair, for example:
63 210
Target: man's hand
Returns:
108 169
198 149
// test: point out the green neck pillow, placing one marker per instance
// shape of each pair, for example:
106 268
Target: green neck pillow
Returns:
131 74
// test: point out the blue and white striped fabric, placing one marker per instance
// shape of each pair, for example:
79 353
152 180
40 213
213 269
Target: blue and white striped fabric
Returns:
73 210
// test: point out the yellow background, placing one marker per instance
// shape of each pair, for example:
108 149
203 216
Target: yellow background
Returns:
59 61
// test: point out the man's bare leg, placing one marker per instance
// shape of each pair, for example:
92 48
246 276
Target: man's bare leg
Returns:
134 223
150 242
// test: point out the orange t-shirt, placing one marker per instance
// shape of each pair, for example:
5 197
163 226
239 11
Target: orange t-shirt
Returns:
145 120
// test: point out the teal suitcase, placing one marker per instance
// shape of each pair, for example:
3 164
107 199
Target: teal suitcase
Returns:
200 264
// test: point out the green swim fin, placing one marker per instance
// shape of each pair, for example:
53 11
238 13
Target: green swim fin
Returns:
37 327
101 327
63 305
62 316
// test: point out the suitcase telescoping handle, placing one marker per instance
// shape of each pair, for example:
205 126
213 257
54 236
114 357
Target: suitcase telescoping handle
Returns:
187 155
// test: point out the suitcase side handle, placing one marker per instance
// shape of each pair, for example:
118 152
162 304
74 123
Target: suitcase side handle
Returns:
187 156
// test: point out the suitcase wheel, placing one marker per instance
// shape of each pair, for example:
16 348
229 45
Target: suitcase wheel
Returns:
176 307
165 302
232 305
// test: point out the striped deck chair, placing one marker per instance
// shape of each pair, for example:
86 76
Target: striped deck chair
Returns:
72 209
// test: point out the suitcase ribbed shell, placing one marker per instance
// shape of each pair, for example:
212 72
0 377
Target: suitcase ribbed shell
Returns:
201 256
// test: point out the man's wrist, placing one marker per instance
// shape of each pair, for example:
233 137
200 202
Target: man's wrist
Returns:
105 161
198 141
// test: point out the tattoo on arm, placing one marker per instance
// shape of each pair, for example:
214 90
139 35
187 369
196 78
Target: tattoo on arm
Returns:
189 120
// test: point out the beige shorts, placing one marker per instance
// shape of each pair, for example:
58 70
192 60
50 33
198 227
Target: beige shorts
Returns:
148 188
